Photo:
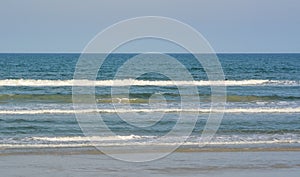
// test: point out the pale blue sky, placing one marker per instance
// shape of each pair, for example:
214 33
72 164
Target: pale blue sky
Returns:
229 25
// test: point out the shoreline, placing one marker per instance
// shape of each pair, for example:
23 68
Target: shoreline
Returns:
94 151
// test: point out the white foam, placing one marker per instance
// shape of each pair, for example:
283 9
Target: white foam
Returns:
86 111
11 146
85 138
91 144
128 82
147 140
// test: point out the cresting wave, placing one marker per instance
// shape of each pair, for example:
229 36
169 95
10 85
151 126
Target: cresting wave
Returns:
87 111
84 138
128 82
219 139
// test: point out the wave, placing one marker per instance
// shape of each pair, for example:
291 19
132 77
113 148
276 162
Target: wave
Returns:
92 144
87 111
85 138
128 82
218 139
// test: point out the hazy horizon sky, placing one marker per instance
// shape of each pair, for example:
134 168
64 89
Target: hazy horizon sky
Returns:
228 25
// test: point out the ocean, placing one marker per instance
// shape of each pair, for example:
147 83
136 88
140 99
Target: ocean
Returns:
37 112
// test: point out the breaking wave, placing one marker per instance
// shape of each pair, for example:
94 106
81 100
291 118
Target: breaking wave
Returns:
208 110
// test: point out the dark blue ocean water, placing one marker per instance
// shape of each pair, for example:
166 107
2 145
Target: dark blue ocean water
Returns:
36 110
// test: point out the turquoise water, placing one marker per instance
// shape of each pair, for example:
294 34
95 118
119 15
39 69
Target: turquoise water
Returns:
36 110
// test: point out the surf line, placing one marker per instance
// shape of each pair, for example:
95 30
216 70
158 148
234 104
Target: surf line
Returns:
87 111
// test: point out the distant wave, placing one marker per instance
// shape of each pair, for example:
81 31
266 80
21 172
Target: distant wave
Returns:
86 111
128 82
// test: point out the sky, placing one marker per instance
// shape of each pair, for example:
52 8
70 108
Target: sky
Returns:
259 26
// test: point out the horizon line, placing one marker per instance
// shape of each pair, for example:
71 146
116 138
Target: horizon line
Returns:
149 52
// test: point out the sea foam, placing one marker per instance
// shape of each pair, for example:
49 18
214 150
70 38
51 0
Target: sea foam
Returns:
207 110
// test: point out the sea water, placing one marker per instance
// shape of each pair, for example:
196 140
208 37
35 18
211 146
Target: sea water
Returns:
36 107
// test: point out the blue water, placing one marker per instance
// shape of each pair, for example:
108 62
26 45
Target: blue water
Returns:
263 101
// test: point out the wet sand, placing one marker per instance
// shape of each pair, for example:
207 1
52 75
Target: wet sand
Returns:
181 163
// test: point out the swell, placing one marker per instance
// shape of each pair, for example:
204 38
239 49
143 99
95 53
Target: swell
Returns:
128 82
134 98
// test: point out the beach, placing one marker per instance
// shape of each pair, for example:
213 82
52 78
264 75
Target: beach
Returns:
170 88
249 163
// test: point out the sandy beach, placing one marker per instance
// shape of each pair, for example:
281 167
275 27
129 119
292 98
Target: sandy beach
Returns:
246 163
